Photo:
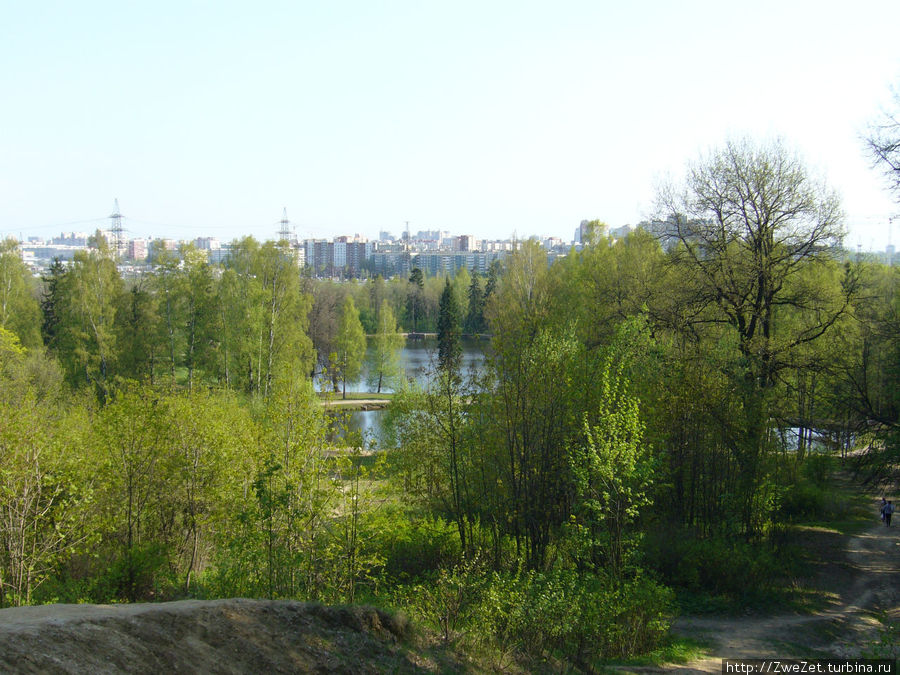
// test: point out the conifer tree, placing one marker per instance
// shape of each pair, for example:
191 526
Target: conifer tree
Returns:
449 348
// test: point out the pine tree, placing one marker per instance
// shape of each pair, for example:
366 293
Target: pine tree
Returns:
415 298
449 348
475 316
49 303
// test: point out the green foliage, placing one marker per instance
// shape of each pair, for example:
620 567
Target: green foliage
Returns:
415 298
449 348
19 310
350 344
558 615
42 490
720 571
90 293
384 361
612 472
413 548
474 322
447 600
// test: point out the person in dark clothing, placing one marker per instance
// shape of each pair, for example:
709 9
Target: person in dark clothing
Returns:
888 512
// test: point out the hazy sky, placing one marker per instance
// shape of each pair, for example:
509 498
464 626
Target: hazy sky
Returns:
489 117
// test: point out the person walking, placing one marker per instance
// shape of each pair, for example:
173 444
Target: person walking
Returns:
888 512
881 509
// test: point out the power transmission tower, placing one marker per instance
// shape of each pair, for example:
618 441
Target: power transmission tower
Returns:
284 233
116 232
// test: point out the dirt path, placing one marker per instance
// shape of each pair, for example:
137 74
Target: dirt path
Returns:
872 586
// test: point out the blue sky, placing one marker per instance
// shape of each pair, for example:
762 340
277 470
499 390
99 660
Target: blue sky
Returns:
492 117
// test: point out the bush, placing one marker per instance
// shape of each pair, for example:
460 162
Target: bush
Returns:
446 600
141 574
580 617
803 501
732 569
414 548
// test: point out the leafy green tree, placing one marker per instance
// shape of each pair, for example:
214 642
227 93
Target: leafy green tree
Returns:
19 310
384 359
199 319
90 296
138 480
40 497
493 276
612 471
350 343
267 316
323 322
167 283
208 435
275 541
541 391
461 282
138 331
749 221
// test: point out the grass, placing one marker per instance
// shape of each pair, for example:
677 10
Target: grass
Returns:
677 650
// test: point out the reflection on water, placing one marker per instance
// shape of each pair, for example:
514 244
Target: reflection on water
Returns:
361 428
417 359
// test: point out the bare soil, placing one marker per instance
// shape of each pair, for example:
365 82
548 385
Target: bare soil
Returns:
220 636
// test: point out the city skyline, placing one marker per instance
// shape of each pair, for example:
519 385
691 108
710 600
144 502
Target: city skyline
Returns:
492 119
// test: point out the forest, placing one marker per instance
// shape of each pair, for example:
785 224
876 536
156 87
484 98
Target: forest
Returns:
652 416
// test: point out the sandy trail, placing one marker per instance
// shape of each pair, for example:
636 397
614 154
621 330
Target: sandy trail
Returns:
841 631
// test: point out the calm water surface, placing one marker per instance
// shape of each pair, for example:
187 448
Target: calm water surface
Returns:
417 359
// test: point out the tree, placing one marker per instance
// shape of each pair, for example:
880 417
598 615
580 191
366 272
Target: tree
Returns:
138 332
612 472
542 387
39 495
267 337
384 361
474 323
323 321
449 348
138 477
50 299
198 317
19 311
167 281
350 343
91 290
415 297
750 222
883 145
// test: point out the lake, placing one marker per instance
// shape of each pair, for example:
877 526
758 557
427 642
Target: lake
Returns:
417 359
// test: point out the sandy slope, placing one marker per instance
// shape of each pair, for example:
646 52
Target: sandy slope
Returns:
222 636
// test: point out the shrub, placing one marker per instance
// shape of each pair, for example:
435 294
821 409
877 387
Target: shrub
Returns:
414 548
446 600
733 569
581 617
